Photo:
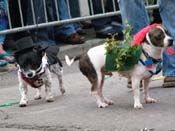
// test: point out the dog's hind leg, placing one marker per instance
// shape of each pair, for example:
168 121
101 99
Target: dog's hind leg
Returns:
95 80
49 97
147 98
62 90
135 86
101 101
58 71
107 101
38 93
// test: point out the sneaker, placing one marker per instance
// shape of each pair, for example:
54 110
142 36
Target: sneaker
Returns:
169 82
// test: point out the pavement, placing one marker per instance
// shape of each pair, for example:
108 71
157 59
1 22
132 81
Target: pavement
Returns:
76 110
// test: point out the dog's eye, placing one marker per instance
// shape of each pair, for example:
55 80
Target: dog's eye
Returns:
159 36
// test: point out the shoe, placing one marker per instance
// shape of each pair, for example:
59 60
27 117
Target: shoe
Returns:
74 38
81 32
109 30
169 82
7 57
3 63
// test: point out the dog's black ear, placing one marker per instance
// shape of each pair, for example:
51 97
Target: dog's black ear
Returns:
40 49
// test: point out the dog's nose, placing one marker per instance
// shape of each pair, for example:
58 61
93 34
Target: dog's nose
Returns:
170 41
30 74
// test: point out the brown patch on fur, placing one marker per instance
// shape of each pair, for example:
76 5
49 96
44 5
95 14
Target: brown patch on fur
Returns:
102 79
88 70
157 36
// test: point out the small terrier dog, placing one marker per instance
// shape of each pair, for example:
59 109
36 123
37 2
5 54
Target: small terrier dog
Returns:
92 65
35 64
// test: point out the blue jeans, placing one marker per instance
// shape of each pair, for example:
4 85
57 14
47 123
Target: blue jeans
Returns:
135 13
41 35
3 19
66 29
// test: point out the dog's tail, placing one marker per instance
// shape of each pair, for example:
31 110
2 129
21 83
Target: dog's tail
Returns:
71 61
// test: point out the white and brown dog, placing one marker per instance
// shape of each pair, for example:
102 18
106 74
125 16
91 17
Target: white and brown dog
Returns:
35 64
92 65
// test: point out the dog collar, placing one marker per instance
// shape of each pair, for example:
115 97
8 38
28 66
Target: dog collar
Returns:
154 61
35 81
149 63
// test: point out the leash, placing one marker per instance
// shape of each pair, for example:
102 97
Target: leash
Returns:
8 104
107 77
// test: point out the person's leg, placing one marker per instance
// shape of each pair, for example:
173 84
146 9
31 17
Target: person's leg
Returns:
3 25
75 12
167 11
66 33
66 29
134 12
40 36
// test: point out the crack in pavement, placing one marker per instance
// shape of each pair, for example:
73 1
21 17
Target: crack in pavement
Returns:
44 128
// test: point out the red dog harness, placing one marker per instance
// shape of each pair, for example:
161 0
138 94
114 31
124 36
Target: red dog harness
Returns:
35 82
137 40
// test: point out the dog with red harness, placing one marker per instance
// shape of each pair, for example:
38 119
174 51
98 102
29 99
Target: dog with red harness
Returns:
153 40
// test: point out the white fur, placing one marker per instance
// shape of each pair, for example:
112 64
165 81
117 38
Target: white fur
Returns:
97 56
46 78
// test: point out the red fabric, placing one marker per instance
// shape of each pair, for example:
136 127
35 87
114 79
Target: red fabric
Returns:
34 81
150 66
170 51
139 37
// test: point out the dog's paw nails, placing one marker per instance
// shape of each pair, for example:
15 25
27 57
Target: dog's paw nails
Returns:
102 105
50 99
150 100
23 104
62 90
37 97
138 106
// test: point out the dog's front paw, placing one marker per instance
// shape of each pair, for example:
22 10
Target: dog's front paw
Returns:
23 103
102 105
50 99
150 100
109 102
138 106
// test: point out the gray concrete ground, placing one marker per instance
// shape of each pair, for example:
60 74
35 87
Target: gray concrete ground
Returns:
76 110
